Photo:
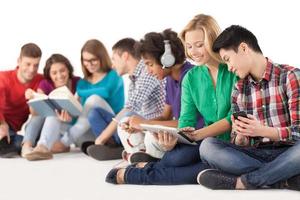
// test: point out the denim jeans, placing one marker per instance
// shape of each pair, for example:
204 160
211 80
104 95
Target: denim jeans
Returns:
99 119
82 126
179 166
258 167
33 129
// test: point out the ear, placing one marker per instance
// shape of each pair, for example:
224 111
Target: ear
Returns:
125 55
244 47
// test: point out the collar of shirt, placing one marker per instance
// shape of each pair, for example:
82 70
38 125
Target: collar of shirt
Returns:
266 76
138 70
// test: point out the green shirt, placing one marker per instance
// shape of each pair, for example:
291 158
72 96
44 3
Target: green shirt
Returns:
199 95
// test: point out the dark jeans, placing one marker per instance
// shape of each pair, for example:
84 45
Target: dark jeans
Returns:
15 139
179 166
258 167
99 119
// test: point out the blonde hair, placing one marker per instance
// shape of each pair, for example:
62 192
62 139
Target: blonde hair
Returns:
210 28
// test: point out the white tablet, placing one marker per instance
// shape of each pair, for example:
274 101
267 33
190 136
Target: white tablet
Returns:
182 138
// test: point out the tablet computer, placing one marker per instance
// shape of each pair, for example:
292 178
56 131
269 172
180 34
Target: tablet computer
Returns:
182 138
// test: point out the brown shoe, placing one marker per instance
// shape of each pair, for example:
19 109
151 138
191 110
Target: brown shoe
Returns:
39 155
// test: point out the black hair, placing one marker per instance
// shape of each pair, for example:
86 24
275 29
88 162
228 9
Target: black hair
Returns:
233 36
152 45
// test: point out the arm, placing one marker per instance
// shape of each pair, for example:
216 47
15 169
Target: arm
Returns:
212 130
4 129
165 119
146 85
188 112
253 128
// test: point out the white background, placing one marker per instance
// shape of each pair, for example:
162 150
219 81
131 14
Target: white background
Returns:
59 26
63 26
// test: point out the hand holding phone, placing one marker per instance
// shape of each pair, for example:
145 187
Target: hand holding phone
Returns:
240 114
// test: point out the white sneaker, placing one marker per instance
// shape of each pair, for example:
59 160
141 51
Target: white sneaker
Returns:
25 151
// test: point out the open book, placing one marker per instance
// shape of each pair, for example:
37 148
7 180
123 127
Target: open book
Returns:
59 99
182 138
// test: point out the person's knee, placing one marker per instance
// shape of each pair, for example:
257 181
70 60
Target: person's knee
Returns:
206 148
93 114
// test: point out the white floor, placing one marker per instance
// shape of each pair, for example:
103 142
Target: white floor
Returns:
74 176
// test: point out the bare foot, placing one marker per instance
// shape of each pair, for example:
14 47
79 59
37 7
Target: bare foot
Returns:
141 164
239 184
120 176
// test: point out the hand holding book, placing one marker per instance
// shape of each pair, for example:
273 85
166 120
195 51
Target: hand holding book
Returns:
59 99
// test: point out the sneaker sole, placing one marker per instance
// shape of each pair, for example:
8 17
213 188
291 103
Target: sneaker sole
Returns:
200 173
141 157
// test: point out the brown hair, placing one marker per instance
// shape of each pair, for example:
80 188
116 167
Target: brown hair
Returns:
96 48
128 45
31 50
57 58
210 28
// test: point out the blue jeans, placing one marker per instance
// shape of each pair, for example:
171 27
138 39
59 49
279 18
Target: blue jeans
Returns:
258 167
33 129
179 166
99 119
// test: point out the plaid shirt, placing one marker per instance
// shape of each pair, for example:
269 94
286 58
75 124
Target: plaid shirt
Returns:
274 100
146 94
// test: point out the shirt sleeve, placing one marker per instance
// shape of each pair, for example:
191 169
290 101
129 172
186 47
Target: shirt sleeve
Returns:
143 89
293 93
188 112
2 99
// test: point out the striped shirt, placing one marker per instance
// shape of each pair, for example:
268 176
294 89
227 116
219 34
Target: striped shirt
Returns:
146 95
274 100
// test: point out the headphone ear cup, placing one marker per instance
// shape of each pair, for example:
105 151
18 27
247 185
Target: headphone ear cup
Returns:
167 60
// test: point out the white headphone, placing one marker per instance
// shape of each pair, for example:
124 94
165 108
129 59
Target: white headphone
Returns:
167 59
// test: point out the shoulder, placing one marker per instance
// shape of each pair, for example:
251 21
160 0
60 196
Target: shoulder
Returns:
5 77
112 73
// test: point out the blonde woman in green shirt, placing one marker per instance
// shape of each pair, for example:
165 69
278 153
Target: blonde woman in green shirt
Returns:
206 88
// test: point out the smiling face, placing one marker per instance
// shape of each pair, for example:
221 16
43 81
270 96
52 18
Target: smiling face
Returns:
154 68
59 74
195 46
90 62
237 61
28 68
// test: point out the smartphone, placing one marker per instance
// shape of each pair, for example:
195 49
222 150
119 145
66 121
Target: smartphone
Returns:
240 114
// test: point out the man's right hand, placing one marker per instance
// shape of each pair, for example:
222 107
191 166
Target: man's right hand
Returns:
29 93
4 131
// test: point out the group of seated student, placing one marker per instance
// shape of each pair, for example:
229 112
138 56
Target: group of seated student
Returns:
198 81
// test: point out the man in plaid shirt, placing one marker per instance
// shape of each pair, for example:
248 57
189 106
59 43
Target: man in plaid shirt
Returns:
146 97
266 153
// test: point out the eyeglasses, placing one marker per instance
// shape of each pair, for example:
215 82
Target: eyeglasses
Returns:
92 61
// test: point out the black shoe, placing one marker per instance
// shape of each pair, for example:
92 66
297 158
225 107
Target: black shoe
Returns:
141 157
104 152
216 180
9 151
85 145
294 183
111 177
